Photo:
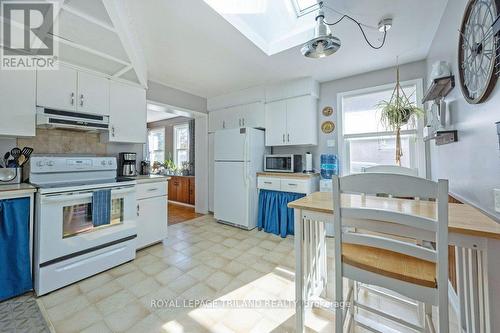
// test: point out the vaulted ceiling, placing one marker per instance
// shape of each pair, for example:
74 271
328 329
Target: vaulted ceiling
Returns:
190 46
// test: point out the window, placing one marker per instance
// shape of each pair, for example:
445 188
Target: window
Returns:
303 7
364 142
181 144
156 145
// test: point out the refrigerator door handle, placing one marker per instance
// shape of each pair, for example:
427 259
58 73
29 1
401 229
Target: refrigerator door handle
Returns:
245 161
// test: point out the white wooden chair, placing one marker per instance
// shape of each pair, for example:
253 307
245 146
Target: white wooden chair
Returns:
409 269
392 169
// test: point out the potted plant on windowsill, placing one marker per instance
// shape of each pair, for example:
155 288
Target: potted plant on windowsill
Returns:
398 112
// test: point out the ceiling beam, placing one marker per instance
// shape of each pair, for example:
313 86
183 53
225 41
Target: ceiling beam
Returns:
122 71
88 18
121 21
57 6
90 50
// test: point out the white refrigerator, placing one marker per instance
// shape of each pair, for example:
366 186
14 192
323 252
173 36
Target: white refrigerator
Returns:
239 155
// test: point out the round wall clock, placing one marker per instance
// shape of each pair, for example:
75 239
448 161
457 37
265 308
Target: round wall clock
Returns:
477 50
327 111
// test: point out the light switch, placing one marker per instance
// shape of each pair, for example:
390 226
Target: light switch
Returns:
497 200
330 143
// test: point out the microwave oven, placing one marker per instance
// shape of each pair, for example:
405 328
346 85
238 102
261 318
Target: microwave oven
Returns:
283 163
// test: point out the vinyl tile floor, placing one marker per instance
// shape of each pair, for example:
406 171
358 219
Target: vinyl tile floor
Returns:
249 276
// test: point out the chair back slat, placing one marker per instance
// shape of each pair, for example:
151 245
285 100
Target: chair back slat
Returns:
390 228
390 216
392 169
396 185
406 248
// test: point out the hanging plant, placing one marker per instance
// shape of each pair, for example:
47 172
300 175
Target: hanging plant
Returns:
398 112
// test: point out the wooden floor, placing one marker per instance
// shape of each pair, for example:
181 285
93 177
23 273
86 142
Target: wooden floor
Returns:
180 213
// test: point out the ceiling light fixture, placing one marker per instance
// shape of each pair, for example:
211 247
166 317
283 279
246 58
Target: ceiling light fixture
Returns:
324 43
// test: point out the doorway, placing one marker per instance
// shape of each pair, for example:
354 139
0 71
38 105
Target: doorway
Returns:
177 146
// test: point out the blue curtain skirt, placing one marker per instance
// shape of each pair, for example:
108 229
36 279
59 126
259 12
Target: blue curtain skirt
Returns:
274 215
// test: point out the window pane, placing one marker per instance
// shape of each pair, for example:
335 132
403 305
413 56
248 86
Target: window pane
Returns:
373 151
156 146
305 4
361 114
182 156
182 138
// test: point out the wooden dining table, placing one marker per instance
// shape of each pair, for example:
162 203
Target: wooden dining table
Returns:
475 238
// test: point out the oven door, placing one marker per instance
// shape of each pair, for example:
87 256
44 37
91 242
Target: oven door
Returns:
64 226
278 163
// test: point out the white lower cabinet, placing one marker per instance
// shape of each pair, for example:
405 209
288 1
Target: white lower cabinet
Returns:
303 184
152 217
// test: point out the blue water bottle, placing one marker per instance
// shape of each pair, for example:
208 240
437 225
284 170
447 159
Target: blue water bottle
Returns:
329 166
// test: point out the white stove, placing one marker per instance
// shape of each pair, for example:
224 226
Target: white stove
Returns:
69 244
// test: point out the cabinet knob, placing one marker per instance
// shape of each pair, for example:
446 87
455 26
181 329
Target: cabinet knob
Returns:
138 210
288 137
283 137
81 100
112 131
72 98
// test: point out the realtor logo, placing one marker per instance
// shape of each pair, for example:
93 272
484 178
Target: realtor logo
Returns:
27 34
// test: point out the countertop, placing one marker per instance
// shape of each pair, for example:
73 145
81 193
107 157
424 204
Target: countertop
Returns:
287 174
462 218
182 176
16 189
142 179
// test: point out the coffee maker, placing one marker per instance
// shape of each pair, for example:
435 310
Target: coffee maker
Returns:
127 164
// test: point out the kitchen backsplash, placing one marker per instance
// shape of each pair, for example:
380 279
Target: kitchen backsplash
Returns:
56 141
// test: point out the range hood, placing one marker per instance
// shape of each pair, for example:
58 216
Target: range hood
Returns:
49 118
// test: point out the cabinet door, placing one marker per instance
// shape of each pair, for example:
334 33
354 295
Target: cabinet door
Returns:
302 121
191 191
56 89
254 115
151 221
215 120
93 94
17 103
183 190
276 123
127 111
172 189
233 117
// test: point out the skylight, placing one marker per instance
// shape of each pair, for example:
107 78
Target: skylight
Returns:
303 7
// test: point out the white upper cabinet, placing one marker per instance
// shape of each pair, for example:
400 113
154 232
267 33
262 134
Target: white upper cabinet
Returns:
292 88
247 115
292 122
93 94
276 123
57 89
17 103
72 90
127 107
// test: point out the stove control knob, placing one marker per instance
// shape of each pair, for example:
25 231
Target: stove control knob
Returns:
50 163
110 162
39 164
103 162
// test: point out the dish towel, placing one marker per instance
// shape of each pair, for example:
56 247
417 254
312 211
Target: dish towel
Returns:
101 207
15 271
274 215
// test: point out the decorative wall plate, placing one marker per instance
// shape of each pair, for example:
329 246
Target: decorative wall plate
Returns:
327 111
327 127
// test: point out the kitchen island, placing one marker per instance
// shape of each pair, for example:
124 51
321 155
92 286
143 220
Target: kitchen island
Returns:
475 237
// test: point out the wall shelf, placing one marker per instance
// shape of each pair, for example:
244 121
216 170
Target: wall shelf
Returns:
443 137
439 88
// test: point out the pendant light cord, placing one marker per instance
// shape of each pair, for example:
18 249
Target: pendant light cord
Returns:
360 26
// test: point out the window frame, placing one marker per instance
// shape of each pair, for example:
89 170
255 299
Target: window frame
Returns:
301 12
418 161
175 149
149 151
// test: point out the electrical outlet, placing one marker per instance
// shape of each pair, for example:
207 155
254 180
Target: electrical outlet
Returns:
330 143
497 199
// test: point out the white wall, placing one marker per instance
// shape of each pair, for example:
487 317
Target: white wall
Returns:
472 165
328 97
